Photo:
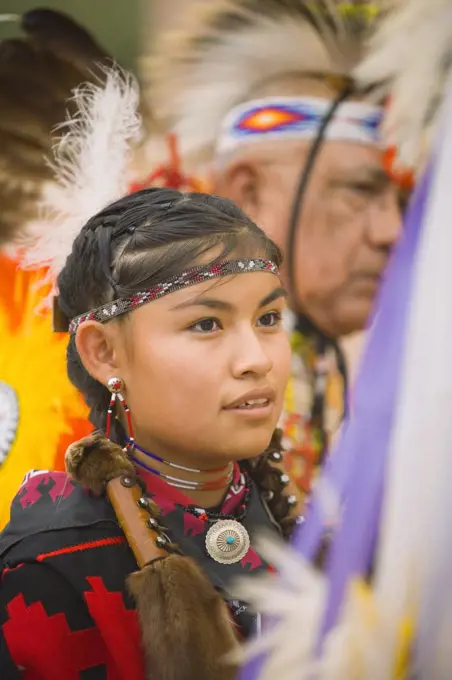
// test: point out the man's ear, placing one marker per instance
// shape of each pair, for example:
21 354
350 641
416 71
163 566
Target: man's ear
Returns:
95 344
242 183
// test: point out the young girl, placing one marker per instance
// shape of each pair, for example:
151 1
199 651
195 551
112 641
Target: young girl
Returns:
173 305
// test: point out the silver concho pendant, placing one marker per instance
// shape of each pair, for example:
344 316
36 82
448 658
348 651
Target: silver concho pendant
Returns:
227 541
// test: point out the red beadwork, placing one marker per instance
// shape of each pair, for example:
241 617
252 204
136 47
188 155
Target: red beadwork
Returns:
115 385
128 418
109 415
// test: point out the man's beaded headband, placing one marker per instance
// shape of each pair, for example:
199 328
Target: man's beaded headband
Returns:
190 277
279 118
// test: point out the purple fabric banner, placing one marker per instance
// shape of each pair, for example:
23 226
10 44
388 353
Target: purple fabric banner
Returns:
356 469
362 454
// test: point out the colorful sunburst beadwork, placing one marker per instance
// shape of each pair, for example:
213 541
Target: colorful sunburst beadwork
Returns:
269 118
297 117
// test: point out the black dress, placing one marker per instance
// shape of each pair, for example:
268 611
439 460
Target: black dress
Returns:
65 613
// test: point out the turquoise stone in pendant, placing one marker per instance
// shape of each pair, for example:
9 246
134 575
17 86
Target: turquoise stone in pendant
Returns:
227 541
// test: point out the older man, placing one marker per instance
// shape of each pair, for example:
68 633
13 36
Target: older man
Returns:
259 96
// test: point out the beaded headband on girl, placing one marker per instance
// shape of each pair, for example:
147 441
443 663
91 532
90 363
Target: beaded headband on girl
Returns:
189 277
297 118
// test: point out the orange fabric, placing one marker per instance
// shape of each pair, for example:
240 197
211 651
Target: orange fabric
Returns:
33 363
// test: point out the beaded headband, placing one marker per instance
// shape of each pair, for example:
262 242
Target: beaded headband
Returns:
190 277
279 118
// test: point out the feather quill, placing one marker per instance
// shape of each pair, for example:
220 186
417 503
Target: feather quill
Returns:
91 163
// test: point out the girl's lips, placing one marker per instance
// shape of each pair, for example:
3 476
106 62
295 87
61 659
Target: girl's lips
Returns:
257 399
258 410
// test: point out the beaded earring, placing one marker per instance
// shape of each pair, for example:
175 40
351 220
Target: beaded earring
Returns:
116 387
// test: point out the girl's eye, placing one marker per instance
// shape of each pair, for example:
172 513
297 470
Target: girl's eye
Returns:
270 320
206 326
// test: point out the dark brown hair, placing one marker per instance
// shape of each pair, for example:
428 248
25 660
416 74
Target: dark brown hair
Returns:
145 239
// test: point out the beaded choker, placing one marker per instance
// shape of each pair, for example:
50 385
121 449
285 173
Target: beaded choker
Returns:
190 277
179 483
220 482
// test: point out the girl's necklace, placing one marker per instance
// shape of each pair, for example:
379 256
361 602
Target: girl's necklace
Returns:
227 472
227 540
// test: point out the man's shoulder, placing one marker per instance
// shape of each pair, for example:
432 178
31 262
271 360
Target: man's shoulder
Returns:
50 501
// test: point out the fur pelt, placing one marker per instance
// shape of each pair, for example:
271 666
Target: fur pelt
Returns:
95 460
186 629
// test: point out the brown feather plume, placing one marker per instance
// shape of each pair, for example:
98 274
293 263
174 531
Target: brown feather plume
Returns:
38 73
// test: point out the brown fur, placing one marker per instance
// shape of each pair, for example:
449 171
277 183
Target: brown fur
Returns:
95 460
186 628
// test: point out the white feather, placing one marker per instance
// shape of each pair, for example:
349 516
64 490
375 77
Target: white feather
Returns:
194 101
296 600
91 165
200 74
411 54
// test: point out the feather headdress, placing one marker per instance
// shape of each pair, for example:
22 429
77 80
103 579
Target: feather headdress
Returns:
233 48
410 57
91 164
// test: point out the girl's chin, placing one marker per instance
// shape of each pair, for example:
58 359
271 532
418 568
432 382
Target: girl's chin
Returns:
250 450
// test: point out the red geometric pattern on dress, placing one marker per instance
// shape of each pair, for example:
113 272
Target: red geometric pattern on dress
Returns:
236 492
167 498
101 543
252 559
119 629
162 493
46 647
62 487
7 570
193 526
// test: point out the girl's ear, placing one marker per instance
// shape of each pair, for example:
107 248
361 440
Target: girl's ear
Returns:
96 346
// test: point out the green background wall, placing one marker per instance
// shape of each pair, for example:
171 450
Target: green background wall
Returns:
115 23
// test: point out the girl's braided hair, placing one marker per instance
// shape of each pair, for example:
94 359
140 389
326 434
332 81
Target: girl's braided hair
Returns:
138 242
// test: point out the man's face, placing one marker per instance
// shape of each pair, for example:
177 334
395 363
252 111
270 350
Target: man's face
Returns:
348 223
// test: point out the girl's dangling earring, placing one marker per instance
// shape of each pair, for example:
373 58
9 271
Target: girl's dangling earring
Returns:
116 386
